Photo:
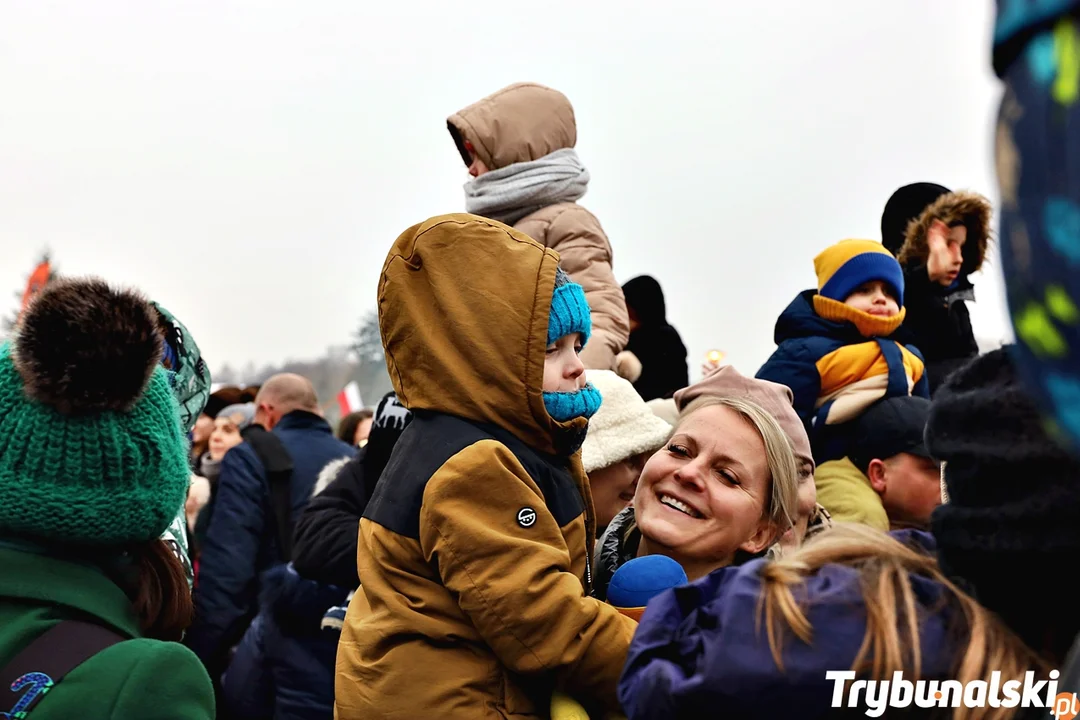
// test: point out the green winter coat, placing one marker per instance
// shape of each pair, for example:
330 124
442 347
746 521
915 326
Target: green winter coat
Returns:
137 678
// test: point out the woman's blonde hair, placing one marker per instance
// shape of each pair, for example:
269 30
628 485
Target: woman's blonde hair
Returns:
892 641
783 467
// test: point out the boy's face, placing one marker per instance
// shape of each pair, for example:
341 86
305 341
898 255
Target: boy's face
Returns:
873 298
477 168
563 369
946 256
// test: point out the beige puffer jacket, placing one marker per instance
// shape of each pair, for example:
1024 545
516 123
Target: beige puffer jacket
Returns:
525 122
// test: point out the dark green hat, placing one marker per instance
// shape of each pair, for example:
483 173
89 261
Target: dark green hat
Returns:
91 448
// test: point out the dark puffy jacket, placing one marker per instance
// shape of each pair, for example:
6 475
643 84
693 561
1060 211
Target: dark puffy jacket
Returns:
328 529
699 651
617 546
284 666
938 321
241 541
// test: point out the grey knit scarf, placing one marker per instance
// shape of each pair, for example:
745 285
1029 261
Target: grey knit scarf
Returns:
510 193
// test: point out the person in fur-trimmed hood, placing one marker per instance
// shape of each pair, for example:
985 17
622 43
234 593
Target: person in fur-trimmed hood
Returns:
518 144
940 237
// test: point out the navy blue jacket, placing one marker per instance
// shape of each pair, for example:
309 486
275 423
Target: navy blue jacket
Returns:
699 652
241 541
284 666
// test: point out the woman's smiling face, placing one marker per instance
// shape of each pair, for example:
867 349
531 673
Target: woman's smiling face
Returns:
703 496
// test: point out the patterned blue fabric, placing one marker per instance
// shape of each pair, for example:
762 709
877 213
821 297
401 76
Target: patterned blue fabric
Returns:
565 406
1038 163
1019 21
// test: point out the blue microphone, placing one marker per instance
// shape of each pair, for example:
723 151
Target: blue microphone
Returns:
641 579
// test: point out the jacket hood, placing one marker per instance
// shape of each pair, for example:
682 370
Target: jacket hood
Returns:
906 204
971 209
463 312
646 297
295 602
800 320
519 123
329 473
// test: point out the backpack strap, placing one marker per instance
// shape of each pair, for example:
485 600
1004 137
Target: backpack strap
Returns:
279 469
45 661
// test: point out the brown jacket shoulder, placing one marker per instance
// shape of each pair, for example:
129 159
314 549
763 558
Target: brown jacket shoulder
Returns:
585 254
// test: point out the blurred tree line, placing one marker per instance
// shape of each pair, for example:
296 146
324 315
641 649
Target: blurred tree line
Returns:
361 361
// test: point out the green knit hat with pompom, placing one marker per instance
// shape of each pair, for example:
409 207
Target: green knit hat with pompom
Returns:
91 449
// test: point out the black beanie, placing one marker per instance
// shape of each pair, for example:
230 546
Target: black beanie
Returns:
905 205
1010 522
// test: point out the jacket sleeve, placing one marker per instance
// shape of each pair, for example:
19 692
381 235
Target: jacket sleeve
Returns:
226 591
247 686
702 650
585 254
517 584
792 364
326 535
166 683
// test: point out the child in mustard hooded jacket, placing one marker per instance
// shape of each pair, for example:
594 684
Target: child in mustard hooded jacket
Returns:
474 552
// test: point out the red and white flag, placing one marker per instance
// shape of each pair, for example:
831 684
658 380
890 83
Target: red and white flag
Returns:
349 399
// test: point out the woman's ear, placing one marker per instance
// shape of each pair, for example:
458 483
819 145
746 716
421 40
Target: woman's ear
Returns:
765 535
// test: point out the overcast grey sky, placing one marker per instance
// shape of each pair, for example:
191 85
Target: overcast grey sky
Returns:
248 164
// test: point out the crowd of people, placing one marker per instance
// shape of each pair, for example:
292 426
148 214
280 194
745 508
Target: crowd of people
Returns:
545 518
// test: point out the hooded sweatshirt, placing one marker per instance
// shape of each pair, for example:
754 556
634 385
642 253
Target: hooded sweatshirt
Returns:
524 123
474 549
655 342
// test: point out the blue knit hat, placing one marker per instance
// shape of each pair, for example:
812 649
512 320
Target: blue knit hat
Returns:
569 310
570 314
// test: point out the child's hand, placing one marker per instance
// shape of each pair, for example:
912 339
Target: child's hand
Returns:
712 363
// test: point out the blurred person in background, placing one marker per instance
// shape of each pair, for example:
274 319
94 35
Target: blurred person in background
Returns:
355 427
655 356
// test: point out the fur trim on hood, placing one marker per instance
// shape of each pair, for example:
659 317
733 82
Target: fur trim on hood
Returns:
970 208
328 474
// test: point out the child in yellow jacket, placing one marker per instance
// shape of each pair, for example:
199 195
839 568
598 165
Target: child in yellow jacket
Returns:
834 348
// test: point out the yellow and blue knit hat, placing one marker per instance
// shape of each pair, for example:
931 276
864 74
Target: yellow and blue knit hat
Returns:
570 314
843 267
